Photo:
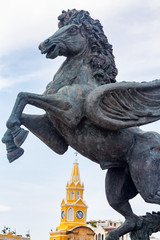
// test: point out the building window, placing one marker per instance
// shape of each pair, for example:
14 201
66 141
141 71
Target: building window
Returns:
72 195
99 236
67 195
102 237
70 214
96 237
78 195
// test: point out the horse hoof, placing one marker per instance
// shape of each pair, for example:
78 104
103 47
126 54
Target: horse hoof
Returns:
13 152
19 136
13 155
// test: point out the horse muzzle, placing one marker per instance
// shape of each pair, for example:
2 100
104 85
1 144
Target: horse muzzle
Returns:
52 49
49 48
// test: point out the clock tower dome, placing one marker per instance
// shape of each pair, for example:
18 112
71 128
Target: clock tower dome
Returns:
73 208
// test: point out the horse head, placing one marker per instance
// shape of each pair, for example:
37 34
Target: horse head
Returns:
80 35
68 41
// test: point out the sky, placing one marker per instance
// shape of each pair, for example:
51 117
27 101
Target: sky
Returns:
32 187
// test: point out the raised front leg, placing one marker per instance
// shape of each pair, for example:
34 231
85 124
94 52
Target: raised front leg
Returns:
40 126
58 104
13 123
48 103
43 128
53 103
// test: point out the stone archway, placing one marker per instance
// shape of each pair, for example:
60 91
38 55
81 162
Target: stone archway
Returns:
81 233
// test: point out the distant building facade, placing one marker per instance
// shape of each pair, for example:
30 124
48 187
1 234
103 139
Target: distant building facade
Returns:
154 238
103 228
10 236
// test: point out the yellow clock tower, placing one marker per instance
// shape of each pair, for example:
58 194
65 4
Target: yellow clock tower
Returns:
73 211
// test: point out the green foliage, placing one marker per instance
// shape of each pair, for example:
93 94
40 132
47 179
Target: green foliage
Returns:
93 224
27 235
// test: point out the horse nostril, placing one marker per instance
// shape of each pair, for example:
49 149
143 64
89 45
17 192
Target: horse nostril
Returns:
46 41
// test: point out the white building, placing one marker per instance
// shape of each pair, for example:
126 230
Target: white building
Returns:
103 228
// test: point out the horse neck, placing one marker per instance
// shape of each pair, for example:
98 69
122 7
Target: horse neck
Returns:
73 70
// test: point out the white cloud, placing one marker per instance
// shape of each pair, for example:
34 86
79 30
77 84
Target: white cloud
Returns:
155 4
10 81
43 75
4 208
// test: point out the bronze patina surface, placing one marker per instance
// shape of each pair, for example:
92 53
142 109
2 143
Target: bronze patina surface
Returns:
88 110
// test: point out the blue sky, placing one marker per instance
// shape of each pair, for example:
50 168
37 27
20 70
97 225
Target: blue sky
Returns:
32 187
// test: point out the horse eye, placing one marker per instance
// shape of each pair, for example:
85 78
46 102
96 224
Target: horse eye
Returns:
73 29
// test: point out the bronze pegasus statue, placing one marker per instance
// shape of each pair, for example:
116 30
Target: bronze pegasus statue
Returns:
88 110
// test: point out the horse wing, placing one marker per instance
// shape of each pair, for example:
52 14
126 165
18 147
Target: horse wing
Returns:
121 105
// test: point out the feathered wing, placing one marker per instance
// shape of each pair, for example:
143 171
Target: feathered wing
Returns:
121 105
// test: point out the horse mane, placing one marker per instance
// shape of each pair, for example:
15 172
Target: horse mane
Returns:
101 57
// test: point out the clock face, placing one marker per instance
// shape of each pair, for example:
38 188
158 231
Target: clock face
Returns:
79 214
63 214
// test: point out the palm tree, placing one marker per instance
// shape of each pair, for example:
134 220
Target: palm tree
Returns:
13 233
4 230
